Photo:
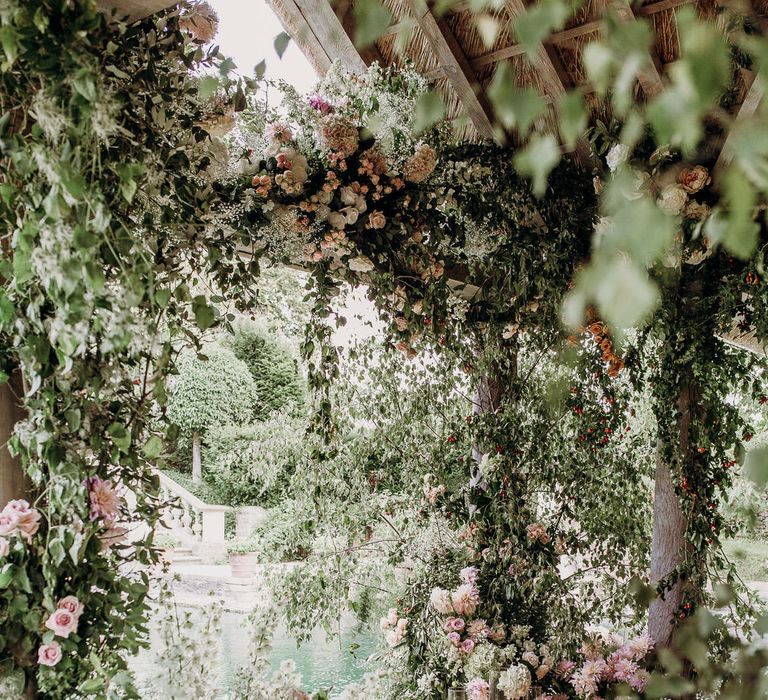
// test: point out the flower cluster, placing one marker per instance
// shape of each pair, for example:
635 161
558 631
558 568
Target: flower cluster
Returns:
62 622
395 627
607 660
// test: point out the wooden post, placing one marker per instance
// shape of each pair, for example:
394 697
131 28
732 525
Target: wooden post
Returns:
197 462
13 481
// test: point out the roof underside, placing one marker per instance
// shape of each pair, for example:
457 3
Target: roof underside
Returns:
450 51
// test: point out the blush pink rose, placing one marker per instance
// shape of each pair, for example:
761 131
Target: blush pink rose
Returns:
62 623
72 605
4 547
468 646
28 523
7 524
49 654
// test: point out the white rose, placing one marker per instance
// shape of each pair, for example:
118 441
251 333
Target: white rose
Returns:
324 197
350 214
337 220
348 196
672 199
617 156
360 203
361 263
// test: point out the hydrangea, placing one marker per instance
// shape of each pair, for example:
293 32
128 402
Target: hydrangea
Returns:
515 682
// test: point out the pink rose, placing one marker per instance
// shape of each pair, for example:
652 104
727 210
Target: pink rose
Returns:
19 506
62 623
28 523
454 638
468 646
49 654
7 524
72 605
4 547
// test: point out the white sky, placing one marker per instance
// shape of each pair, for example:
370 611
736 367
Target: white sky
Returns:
247 29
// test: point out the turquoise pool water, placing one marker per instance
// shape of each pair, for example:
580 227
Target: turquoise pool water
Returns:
322 663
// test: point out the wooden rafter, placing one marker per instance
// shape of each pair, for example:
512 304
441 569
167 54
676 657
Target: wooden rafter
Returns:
748 107
650 75
562 37
454 63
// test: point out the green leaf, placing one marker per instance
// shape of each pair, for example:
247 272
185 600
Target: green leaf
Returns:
538 22
572 118
430 109
624 294
153 447
92 685
207 87
204 313
6 575
281 43
537 160
516 108
120 436
371 21
9 43
85 84
667 687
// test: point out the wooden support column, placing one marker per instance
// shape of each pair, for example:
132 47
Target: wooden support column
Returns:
752 101
668 545
13 481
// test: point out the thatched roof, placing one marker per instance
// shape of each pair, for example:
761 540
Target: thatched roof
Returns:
450 51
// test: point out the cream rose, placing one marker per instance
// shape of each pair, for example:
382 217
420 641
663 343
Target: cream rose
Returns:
617 156
672 199
361 263
376 219
5 548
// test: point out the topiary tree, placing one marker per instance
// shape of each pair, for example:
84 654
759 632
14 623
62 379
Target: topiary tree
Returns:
273 367
210 392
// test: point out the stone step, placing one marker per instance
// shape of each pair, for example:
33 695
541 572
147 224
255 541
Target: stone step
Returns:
181 550
186 559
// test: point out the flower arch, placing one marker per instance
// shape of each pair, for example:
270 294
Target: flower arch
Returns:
119 195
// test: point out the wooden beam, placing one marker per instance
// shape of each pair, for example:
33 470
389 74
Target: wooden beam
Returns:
449 55
134 9
752 100
314 26
298 29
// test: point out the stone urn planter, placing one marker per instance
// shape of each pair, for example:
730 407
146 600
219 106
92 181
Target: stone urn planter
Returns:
243 558
244 565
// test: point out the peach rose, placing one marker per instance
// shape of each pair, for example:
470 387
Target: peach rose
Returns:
28 524
49 654
694 179
376 219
